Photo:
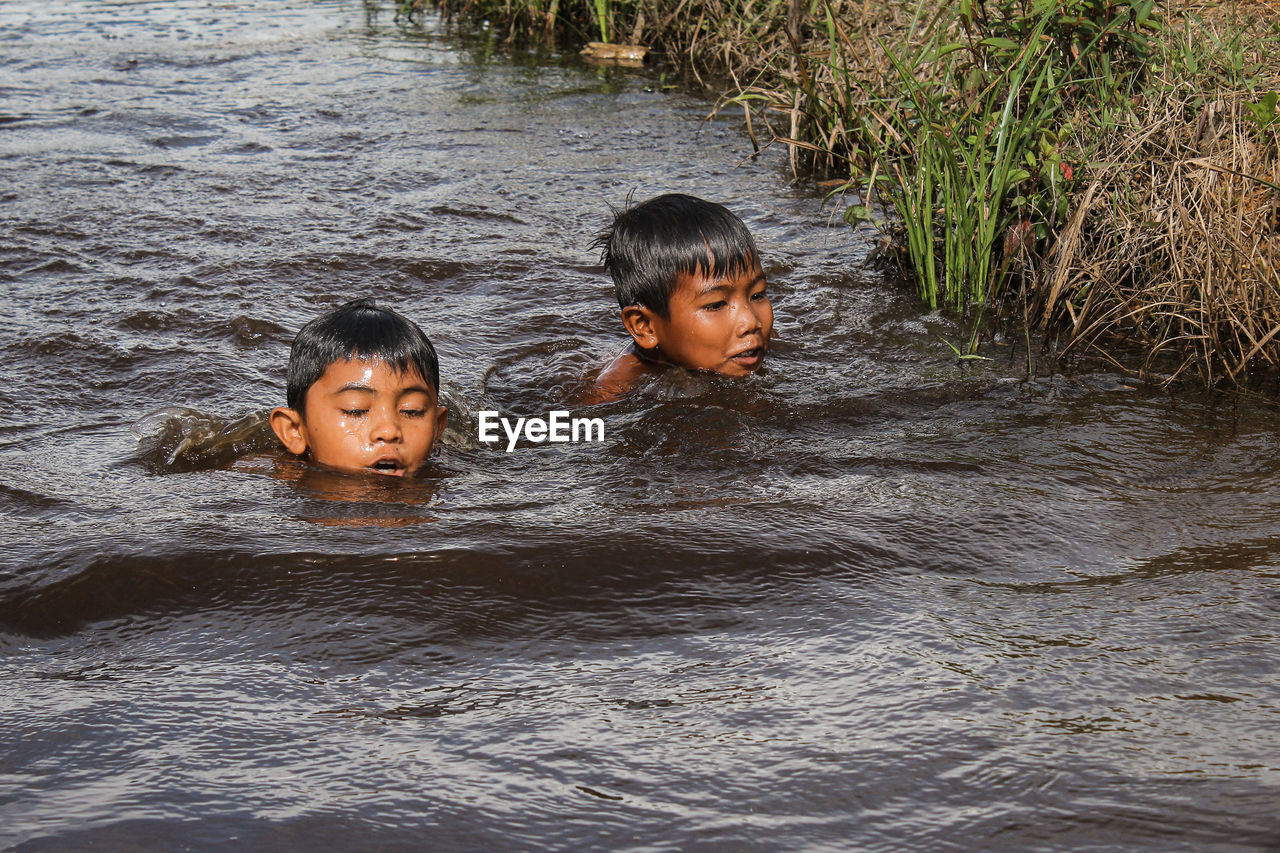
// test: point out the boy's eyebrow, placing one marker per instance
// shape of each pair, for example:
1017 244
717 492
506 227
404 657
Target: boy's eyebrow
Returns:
720 285
357 385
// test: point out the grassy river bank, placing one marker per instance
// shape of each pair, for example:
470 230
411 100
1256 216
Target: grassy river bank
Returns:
1103 175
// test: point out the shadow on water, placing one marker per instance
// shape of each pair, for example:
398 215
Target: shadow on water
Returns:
582 593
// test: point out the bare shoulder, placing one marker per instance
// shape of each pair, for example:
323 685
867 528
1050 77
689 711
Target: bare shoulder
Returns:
619 377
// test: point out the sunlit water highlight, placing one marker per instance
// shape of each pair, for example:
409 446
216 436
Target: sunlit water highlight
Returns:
870 599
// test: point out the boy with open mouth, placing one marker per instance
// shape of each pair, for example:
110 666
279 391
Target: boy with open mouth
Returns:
363 392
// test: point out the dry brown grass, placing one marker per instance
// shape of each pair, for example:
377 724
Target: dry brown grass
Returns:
1175 241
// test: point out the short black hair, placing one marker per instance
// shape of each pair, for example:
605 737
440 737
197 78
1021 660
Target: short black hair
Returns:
358 329
648 245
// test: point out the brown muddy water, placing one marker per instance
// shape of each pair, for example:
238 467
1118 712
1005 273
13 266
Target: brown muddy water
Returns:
872 599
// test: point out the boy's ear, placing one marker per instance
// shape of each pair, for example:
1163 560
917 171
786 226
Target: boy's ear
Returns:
287 424
638 321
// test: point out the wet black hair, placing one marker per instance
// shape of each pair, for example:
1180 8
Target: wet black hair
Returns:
358 329
649 244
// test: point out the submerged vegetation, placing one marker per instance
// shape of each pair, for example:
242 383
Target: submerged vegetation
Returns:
1101 171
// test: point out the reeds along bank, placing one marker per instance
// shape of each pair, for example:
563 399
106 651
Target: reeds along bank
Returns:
1103 173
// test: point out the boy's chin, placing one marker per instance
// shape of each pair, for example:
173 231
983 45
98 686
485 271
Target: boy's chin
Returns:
745 365
738 369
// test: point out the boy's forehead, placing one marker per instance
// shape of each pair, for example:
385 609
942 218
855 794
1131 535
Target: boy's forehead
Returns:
359 366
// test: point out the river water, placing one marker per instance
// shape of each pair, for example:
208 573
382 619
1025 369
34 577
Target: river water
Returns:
871 599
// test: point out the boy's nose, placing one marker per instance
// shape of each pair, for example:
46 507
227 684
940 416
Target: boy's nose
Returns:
749 320
385 427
